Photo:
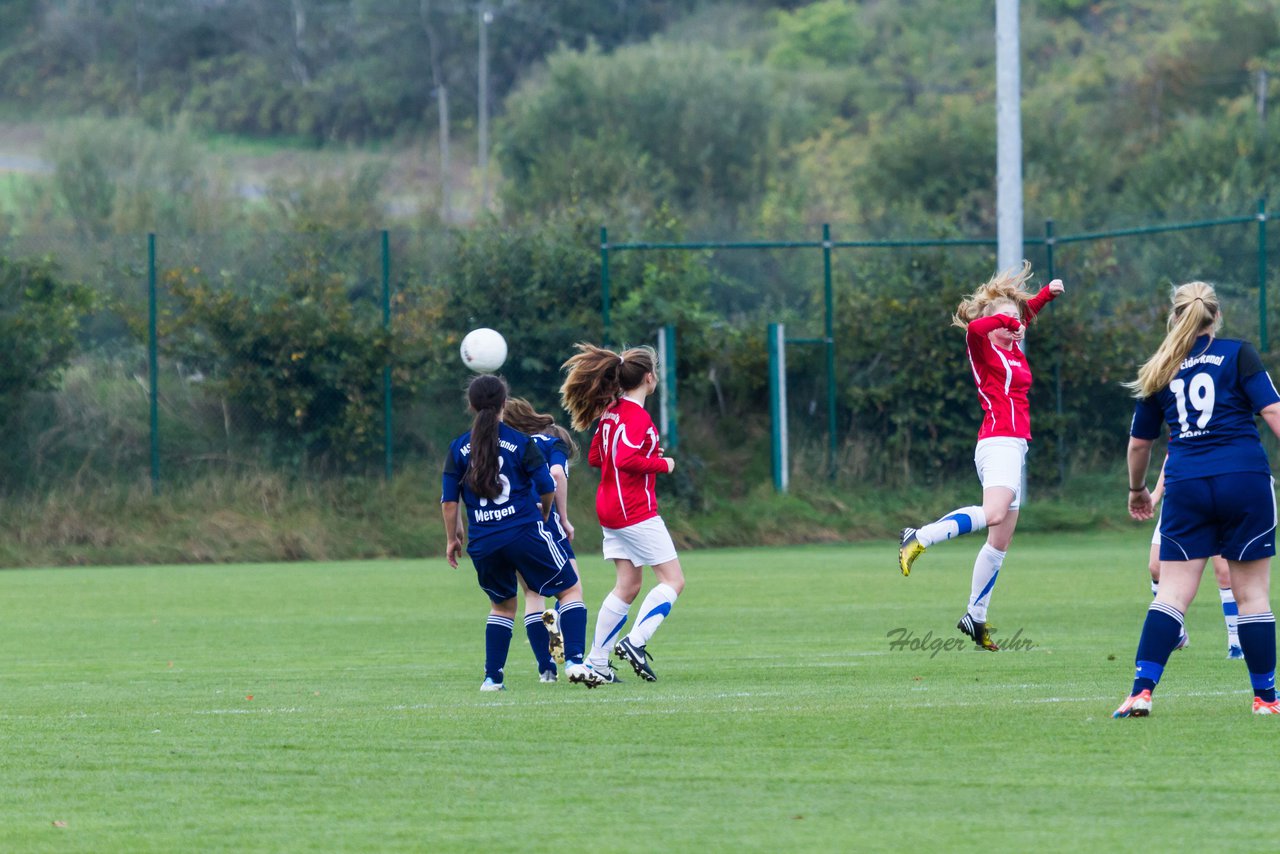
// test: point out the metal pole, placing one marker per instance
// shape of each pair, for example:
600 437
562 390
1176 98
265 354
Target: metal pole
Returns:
604 286
1262 276
386 369
829 335
486 17
153 363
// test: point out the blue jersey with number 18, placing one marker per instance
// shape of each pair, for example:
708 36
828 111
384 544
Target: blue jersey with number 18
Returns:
523 474
1210 406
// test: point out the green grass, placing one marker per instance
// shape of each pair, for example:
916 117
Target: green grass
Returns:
335 707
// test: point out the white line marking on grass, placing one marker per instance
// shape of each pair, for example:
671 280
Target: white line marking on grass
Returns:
288 711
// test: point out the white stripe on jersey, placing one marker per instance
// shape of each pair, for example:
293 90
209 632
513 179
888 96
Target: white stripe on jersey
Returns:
617 475
1008 380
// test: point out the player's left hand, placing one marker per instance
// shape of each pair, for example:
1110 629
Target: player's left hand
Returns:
568 528
1056 287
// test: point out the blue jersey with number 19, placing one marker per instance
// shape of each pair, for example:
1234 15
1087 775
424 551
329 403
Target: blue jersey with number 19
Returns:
1209 406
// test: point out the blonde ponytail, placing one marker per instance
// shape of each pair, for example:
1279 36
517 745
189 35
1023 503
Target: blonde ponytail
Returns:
1195 311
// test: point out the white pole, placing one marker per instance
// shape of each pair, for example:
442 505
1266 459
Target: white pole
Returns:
1008 137
1008 147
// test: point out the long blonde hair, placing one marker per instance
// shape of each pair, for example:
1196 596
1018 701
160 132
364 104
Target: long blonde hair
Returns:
1006 286
595 379
1195 311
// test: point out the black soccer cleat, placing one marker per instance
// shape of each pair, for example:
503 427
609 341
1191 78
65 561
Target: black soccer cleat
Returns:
637 658
979 631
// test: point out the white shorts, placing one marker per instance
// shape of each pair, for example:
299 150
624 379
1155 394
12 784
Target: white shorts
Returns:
645 543
1000 461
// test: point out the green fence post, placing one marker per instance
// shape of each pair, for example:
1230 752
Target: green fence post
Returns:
1262 276
386 369
778 403
1049 244
667 388
604 285
829 335
153 362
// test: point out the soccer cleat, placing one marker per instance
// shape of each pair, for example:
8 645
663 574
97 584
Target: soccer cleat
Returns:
555 640
490 685
1234 652
637 658
1262 707
1184 641
547 676
909 549
1139 705
608 676
979 631
581 674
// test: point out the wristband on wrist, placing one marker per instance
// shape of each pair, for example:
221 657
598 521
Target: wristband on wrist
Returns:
1137 488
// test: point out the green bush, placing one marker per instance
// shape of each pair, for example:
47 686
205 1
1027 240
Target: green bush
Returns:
40 314
301 358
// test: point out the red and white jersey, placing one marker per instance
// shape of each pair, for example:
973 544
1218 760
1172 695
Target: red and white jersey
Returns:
1003 376
625 449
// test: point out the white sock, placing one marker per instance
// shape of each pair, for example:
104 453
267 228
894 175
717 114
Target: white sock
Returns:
1230 614
966 520
609 620
1155 589
986 566
654 609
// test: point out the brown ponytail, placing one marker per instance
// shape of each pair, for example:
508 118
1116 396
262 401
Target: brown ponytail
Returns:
521 415
486 395
595 378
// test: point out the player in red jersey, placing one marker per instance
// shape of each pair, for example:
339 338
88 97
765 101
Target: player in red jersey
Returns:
995 319
608 389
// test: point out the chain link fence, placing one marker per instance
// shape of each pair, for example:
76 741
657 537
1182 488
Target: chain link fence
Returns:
325 353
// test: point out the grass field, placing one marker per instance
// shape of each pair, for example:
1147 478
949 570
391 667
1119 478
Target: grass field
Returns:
335 707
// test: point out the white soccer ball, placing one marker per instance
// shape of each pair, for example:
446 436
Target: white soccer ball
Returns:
484 350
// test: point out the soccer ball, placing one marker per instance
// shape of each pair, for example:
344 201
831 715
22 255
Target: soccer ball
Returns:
484 350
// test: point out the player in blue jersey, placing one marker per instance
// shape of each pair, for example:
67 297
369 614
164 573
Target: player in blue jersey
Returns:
542 625
501 477
1219 496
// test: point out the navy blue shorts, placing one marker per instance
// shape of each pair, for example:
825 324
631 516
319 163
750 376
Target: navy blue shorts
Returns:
535 555
561 537
1233 515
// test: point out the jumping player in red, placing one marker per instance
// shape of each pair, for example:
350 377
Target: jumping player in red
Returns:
995 319
608 389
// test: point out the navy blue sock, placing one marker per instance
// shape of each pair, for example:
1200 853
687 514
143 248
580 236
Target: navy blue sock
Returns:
573 625
1258 640
538 642
1160 635
497 643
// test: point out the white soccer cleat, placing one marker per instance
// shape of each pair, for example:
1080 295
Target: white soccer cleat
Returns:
490 685
580 673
